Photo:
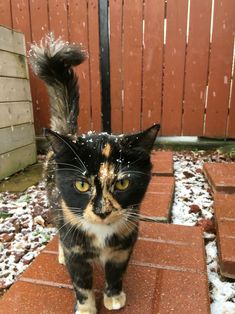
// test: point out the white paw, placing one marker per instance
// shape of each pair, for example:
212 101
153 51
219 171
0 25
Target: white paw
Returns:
61 258
88 307
83 311
115 302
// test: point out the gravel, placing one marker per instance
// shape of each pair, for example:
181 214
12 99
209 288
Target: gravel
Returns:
25 225
193 205
25 228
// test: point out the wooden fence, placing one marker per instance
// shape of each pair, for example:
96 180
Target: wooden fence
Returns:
171 61
17 137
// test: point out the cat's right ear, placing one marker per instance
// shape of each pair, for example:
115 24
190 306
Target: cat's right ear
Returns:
59 143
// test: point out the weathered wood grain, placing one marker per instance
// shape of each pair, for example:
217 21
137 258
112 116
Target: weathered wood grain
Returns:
13 89
17 159
12 41
13 65
15 113
16 136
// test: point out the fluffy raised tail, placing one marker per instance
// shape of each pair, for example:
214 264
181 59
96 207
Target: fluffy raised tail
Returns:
52 61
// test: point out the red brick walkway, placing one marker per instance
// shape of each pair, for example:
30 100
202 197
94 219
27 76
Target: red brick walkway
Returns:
167 272
222 180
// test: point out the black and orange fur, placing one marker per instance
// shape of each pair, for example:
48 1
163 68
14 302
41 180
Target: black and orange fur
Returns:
100 224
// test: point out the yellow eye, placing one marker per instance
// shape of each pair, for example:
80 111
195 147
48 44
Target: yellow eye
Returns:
122 184
82 186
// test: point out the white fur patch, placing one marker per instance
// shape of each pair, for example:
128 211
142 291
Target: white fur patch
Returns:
101 231
116 302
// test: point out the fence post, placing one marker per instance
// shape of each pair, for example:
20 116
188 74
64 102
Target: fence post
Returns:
105 66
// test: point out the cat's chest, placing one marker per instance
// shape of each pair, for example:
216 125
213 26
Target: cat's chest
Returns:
99 234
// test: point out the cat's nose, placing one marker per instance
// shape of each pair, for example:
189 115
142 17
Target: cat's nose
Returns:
103 215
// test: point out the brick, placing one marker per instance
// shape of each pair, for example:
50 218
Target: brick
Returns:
227 228
27 298
139 286
158 185
221 176
171 233
162 163
166 274
52 246
227 256
37 271
163 291
181 293
225 222
182 257
224 207
156 205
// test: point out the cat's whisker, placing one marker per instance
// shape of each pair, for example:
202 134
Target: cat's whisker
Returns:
75 226
131 164
128 225
70 147
80 174
64 164
129 172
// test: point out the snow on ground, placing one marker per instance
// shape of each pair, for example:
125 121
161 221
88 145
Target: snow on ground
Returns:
193 205
25 225
24 230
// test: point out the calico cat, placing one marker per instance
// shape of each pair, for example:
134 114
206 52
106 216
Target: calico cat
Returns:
95 182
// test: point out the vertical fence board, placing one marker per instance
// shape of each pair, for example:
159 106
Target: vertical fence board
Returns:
152 62
134 71
196 67
39 27
21 18
58 18
116 20
132 64
174 66
5 13
231 118
220 68
78 32
93 23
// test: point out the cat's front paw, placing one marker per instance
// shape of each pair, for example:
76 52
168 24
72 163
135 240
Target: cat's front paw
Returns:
115 302
85 308
84 311
61 257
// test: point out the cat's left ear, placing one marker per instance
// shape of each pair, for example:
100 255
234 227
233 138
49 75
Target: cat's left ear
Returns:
144 139
59 143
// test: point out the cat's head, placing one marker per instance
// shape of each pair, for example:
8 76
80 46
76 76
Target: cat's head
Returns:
102 178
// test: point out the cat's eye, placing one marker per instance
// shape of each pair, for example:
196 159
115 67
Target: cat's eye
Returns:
122 185
82 186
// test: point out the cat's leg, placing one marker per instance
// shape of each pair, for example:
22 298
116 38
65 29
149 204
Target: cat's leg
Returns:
61 258
81 274
114 297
